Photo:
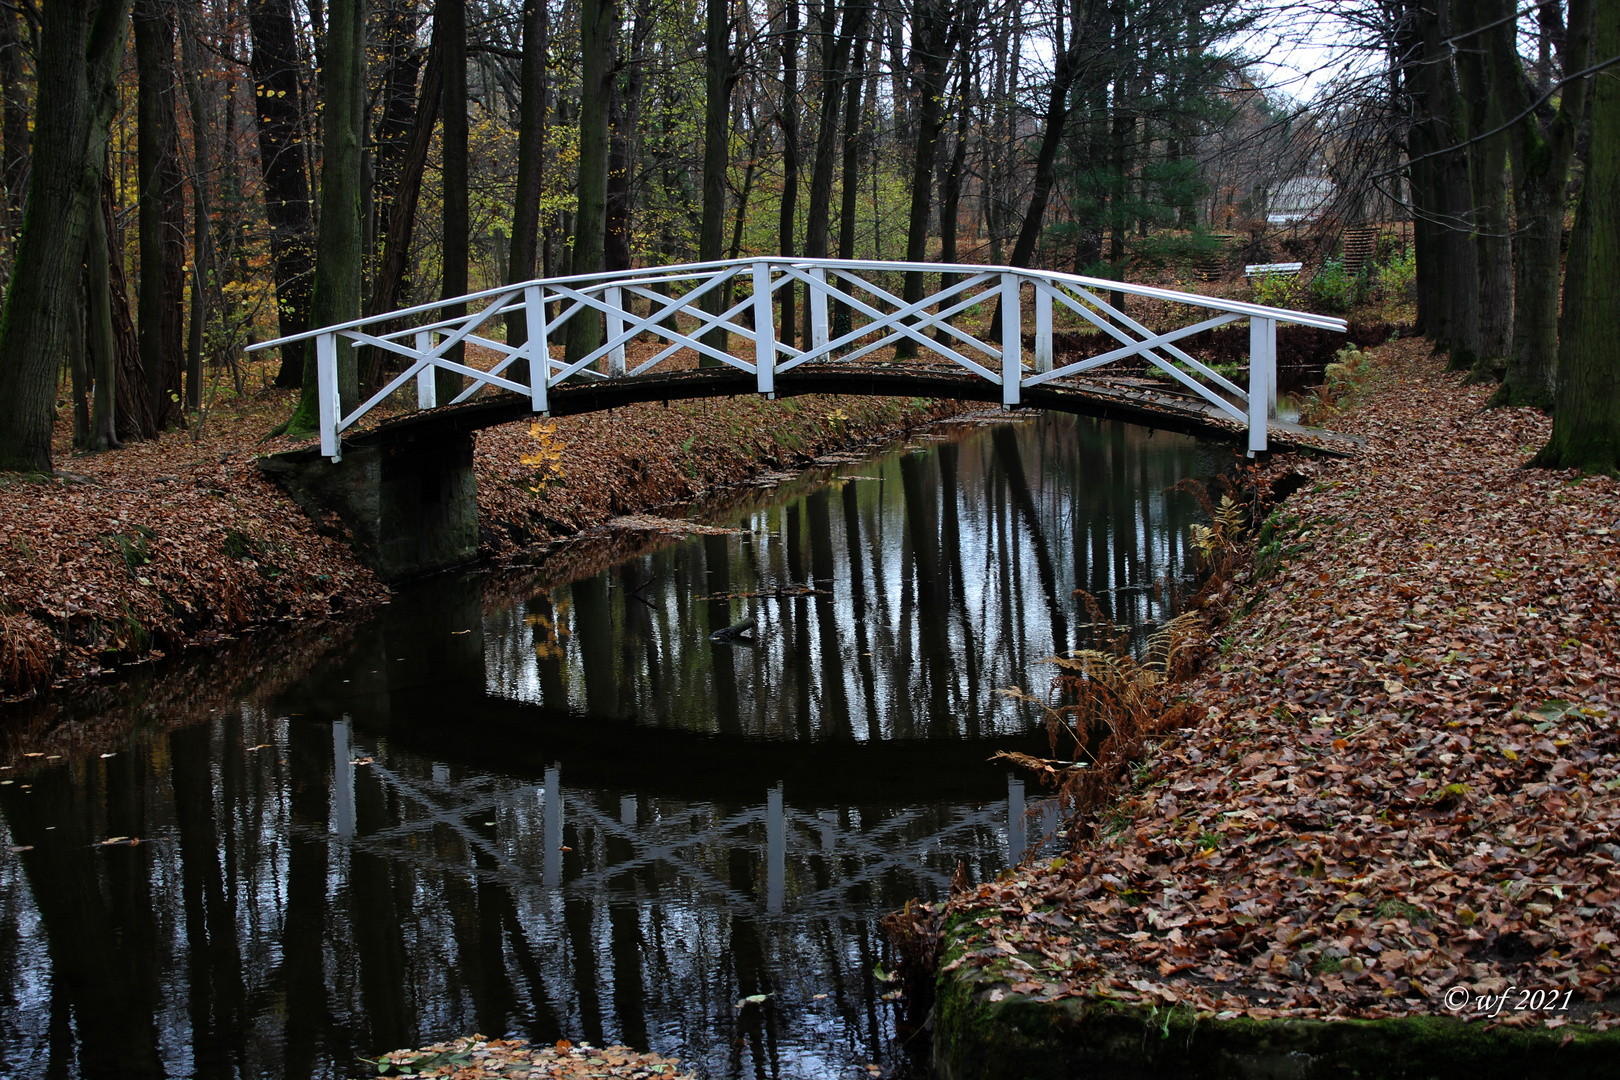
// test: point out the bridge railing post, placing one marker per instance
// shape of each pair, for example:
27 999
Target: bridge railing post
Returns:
427 387
818 311
326 367
534 311
615 327
1262 380
1043 326
764 330
1012 339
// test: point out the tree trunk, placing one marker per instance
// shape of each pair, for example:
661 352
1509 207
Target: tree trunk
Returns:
931 33
951 190
388 283
457 228
1057 114
835 64
340 234
716 156
202 242
100 336
13 122
1488 184
1541 153
276 102
835 53
1586 420
81 45
624 117
599 23
78 373
400 24
1457 329
843 316
162 211
788 119
531 164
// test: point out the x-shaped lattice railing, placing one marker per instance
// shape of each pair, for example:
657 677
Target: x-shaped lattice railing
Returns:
546 306
881 849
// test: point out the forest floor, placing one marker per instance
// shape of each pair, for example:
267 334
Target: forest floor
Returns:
1401 771
126 556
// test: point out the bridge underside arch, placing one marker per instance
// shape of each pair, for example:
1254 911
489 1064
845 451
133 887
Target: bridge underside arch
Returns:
407 493
1162 411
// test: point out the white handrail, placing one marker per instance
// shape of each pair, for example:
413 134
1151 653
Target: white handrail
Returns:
825 281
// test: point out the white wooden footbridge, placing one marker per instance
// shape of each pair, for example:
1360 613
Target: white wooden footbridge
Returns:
665 306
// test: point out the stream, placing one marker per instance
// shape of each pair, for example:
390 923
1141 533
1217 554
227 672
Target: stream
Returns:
545 803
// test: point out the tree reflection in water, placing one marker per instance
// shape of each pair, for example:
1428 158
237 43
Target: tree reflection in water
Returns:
575 815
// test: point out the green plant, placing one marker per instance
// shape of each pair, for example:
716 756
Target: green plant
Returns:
1217 540
1276 290
133 548
238 544
1332 289
1326 965
1401 909
1398 277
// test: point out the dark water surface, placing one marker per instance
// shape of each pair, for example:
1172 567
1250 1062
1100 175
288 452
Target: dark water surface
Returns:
556 808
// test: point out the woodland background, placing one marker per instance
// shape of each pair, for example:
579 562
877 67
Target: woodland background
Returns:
184 177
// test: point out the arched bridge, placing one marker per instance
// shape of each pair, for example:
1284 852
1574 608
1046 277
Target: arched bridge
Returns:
658 319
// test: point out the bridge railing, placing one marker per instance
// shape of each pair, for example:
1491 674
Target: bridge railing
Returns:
860 288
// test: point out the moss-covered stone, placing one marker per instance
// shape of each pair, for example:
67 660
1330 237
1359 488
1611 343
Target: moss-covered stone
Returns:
1019 1038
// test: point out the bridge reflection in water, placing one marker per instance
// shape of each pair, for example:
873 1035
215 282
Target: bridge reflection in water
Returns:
557 809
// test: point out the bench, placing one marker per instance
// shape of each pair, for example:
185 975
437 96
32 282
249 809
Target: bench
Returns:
1281 269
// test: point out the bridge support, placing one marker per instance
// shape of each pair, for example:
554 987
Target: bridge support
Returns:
411 506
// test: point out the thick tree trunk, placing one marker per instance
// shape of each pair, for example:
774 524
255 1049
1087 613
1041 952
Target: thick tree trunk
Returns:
162 212
599 23
340 234
531 166
1541 154
81 45
457 247
1586 420
276 102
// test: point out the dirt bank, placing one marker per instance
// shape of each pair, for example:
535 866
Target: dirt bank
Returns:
127 556
1395 795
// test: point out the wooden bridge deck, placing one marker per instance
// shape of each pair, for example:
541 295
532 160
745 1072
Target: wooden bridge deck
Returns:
1140 401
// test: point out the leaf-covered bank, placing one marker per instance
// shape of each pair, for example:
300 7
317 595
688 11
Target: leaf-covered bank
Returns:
125 557
1401 775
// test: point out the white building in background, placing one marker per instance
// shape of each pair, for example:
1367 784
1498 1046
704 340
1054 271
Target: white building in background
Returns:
1304 198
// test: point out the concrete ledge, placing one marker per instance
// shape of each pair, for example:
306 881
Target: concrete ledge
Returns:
1019 1038
410 504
